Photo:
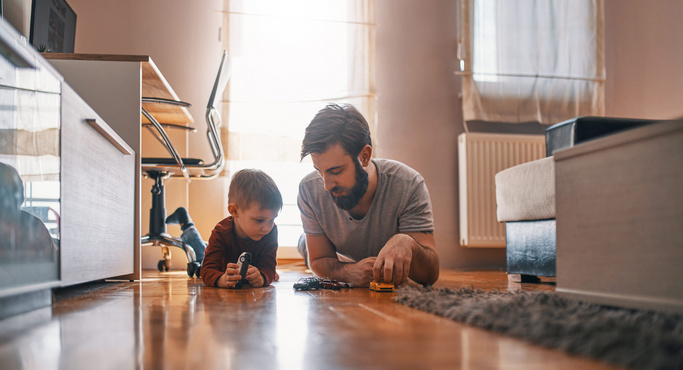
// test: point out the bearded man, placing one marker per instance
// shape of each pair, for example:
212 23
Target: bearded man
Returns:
364 218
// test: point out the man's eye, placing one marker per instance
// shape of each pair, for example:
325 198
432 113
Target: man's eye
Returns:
259 220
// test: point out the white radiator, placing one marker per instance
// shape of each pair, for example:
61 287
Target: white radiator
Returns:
480 157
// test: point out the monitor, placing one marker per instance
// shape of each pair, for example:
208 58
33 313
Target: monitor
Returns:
53 26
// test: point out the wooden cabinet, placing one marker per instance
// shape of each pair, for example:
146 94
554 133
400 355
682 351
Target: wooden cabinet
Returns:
98 196
619 217
114 85
60 157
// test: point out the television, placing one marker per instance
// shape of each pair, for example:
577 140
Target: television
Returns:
53 26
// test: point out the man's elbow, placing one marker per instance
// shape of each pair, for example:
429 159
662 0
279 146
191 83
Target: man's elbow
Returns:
431 273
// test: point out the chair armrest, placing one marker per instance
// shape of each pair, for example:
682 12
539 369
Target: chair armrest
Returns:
172 125
165 101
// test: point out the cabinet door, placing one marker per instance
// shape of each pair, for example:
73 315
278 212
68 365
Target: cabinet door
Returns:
98 196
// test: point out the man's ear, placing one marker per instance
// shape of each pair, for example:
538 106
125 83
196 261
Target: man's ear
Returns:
365 155
232 208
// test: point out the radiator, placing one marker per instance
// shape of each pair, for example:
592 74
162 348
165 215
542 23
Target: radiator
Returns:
480 157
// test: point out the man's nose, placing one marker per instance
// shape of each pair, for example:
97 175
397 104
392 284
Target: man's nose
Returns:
329 184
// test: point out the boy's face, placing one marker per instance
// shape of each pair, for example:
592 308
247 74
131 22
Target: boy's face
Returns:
252 222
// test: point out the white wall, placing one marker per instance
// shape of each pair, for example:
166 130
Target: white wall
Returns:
419 111
419 108
644 58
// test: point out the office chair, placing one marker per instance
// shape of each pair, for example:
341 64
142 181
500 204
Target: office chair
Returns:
160 169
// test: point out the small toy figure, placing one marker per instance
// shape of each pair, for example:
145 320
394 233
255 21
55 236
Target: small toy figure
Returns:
381 286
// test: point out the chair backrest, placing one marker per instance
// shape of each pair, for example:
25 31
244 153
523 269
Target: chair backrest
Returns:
221 82
193 167
213 118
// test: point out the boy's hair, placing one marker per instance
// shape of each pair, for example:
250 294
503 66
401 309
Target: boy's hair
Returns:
336 124
252 185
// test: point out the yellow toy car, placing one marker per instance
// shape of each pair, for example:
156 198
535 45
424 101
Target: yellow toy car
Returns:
381 286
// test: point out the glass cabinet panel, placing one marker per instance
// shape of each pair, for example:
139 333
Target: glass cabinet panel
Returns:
29 176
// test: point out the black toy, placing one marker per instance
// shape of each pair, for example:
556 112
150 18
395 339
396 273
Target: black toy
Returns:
243 265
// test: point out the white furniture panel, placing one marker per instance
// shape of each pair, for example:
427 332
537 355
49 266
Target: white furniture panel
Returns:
98 196
619 217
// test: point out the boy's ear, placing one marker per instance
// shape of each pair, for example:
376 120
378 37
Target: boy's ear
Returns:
232 208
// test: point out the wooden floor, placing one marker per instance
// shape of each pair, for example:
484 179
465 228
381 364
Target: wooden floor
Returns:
168 320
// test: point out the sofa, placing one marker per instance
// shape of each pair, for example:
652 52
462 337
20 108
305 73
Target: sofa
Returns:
525 196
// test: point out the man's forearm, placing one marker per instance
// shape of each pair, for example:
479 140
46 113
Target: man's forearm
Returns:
424 267
329 267
359 274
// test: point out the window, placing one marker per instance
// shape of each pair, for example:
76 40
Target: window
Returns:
289 59
531 61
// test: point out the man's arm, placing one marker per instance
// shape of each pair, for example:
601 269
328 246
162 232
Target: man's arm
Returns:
324 262
411 255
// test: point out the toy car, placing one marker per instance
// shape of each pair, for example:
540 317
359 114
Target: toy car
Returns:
333 284
380 286
308 283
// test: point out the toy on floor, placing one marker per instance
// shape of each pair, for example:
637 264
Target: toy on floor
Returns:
243 263
380 286
316 283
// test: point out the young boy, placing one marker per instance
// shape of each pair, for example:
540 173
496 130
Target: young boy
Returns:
253 202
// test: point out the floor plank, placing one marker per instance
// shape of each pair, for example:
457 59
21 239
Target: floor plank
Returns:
168 320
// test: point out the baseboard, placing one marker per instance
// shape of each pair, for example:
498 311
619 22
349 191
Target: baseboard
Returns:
623 300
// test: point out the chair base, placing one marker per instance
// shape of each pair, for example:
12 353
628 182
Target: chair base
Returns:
164 241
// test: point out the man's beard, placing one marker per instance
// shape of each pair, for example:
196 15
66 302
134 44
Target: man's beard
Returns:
346 202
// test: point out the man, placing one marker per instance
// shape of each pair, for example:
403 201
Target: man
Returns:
364 219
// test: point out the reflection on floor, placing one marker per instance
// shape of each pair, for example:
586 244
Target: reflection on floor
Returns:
168 320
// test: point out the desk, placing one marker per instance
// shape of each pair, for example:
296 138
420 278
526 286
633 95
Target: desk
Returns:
114 85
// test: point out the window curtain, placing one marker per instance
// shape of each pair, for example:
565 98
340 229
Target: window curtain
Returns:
289 59
531 61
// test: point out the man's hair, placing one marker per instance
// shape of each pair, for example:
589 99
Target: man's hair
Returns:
336 124
252 185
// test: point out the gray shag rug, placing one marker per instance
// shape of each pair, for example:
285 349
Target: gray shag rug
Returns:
631 338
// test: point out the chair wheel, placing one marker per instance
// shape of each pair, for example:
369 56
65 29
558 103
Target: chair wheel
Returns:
161 265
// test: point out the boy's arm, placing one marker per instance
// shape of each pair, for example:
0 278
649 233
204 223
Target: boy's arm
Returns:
268 259
213 265
324 262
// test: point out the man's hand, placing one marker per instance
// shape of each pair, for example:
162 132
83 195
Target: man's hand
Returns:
411 255
359 274
393 261
230 277
254 277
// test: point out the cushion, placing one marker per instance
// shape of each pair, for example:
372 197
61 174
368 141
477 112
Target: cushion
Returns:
526 191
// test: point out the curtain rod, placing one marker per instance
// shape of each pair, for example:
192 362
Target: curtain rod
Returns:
532 76
300 18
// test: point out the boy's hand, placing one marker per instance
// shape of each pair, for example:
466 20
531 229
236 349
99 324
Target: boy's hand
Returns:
254 277
230 277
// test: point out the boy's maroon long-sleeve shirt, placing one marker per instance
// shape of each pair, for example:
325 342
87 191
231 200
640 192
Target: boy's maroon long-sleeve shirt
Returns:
225 247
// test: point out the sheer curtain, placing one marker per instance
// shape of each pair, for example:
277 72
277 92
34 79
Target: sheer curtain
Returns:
531 61
289 59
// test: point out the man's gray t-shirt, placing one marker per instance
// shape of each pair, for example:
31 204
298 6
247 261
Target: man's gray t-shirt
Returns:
401 205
